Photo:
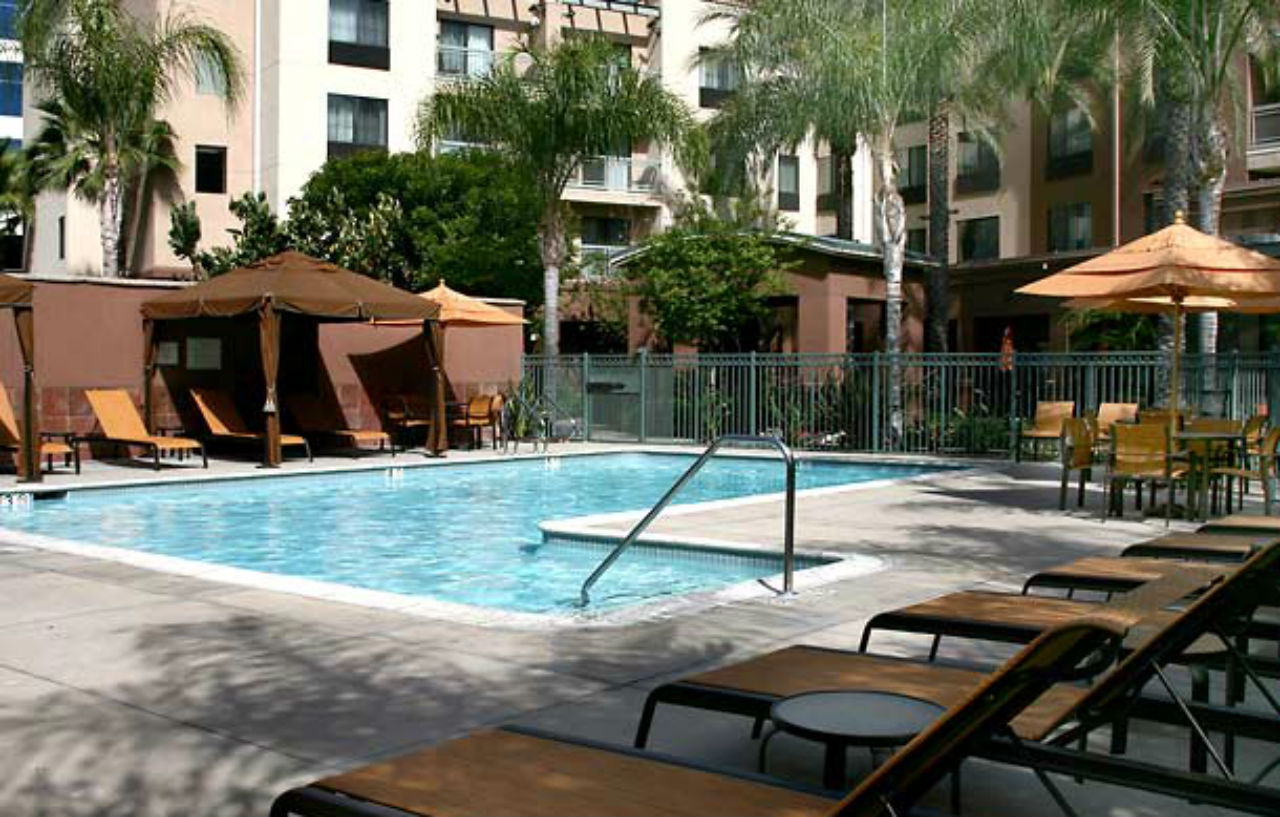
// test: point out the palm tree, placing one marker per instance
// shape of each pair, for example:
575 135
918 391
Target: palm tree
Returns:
1194 52
16 201
575 101
103 74
845 70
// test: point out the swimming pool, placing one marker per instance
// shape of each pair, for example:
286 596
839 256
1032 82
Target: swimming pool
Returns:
465 534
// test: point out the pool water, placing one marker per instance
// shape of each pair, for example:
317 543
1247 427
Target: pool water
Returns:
467 533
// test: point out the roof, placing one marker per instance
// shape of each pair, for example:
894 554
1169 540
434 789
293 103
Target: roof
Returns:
822 245
292 282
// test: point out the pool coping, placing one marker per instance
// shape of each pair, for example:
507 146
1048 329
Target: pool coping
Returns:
837 567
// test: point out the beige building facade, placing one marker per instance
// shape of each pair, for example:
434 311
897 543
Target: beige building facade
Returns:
328 77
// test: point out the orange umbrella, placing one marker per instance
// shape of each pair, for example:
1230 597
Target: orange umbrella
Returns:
1177 269
457 309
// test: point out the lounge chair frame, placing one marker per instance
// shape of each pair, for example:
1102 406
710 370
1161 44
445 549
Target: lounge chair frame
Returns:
152 444
208 413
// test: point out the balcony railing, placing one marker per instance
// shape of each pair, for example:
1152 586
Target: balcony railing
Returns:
1266 125
618 174
641 7
463 63
594 260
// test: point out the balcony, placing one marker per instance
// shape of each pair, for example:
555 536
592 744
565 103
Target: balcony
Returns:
617 174
463 63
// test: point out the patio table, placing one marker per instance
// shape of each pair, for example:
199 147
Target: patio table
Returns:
1199 444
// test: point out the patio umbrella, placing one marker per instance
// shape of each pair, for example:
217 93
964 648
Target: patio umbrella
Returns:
1174 270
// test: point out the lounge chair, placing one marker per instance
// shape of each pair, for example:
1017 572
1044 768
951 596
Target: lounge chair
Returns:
1047 425
225 424
1243 523
122 425
1110 574
1207 544
312 418
11 437
522 772
751 687
1076 451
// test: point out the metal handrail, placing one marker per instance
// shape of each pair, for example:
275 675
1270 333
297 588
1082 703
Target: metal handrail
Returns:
789 531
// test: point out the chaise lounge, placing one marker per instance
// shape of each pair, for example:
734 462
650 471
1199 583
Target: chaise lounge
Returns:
225 424
313 418
122 425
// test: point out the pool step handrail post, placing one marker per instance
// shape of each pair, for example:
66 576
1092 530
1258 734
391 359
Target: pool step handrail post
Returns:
789 529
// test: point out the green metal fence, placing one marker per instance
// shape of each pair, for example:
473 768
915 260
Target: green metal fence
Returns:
961 403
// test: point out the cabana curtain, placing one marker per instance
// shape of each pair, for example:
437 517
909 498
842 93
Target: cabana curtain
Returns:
19 296
297 283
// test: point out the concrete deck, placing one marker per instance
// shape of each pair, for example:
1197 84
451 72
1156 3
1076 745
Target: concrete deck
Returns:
128 692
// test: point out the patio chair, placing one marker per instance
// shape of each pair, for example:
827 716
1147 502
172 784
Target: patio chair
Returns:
521 771
223 420
1076 451
122 425
1141 455
406 415
1047 425
1111 413
1264 473
483 411
11 438
312 417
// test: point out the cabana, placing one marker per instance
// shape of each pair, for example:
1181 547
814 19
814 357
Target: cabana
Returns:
17 295
294 283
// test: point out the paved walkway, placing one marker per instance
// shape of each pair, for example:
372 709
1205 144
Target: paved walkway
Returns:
129 693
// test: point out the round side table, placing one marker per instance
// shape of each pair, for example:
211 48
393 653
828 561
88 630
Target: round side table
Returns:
840 719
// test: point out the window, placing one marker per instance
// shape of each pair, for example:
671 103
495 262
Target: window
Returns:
828 183
918 240
599 231
1071 227
977 166
211 169
913 174
980 238
62 237
718 77
8 19
356 123
10 89
464 50
789 183
209 79
204 354
1070 144
358 33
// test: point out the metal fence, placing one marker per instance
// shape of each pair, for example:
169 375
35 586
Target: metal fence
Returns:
953 403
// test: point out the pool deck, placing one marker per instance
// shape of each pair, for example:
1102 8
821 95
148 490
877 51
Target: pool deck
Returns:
127 692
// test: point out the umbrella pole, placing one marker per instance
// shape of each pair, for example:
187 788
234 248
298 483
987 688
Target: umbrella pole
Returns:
1174 381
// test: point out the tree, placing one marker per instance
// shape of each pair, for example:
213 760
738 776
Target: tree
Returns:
1194 53
705 282
103 74
260 235
574 101
470 217
844 68
184 235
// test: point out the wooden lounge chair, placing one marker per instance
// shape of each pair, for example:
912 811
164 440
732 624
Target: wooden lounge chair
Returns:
312 418
1243 523
1110 574
1204 545
1047 425
751 687
1141 455
11 437
1076 450
526 772
122 425
225 424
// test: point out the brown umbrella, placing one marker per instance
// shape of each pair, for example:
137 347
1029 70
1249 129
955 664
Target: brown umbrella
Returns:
1174 270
